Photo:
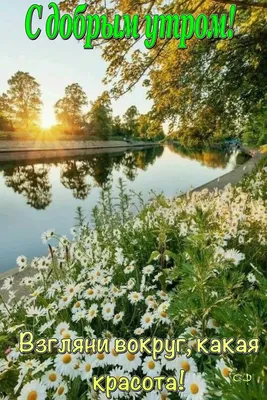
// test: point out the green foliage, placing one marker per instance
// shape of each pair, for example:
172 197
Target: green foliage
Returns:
227 76
69 109
255 130
21 105
100 117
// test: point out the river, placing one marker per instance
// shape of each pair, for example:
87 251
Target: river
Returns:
37 196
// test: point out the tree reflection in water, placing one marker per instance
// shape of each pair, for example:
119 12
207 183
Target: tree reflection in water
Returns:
32 181
73 176
212 158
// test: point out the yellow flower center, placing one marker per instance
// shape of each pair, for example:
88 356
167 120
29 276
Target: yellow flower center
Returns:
108 310
151 365
87 368
52 377
71 290
147 320
163 314
130 357
66 335
78 304
194 388
65 298
60 390
90 292
226 372
101 356
185 365
194 332
163 397
66 359
33 395
92 313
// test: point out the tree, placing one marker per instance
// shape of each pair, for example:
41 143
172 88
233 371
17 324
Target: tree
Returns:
69 109
130 120
150 128
23 98
100 117
5 114
117 127
229 75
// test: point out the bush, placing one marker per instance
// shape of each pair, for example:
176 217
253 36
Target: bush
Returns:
188 267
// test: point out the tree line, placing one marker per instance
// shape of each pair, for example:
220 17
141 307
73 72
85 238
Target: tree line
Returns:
21 108
214 88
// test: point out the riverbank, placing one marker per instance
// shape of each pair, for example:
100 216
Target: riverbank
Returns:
34 150
236 175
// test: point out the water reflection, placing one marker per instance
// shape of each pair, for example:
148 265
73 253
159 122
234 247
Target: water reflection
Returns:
41 195
211 158
32 181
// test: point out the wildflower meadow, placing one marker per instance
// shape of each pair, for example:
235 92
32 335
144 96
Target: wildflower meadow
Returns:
188 267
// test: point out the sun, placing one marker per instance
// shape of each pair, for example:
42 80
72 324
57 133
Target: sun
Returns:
48 120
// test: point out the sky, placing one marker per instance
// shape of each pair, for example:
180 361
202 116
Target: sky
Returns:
55 64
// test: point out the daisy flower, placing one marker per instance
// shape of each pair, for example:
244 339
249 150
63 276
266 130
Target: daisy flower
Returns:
101 359
147 320
36 312
86 367
51 379
139 331
191 330
66 363
46 236
108 311
148 270
78 316
22 263
35 390
129 269
61 392
92 312
130 362
151 367
46 326
90 294
8 283
118 318
234 256
195 387
251 278
135 297
187 364
225 370
162 313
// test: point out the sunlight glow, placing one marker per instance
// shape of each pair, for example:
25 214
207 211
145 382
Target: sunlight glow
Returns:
48 120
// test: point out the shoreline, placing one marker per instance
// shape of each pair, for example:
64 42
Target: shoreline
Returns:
17 151
232 178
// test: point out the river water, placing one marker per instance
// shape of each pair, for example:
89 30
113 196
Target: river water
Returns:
37 196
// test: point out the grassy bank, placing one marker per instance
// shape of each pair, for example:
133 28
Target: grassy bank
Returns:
190 267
